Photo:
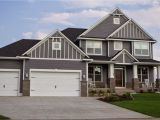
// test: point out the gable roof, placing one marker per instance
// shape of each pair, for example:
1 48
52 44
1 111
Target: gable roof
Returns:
105 26
17 48
73 33
121 52
131 30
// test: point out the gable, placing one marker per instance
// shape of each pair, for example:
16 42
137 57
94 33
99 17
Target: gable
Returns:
105 26
124 57
130 30
67 49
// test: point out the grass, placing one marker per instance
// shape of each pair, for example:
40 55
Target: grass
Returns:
3 118
146 103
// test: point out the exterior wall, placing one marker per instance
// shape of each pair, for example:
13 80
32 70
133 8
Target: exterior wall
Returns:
45 49
104 47
13 64
126 45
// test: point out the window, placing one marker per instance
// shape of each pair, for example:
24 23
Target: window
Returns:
141 48
94 73
56 45
142 74
116 21
118 45
94 47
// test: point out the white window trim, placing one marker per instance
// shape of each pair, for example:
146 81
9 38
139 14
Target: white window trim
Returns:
118 42
141 72
94 73
141 54
115 20
56 43
94 53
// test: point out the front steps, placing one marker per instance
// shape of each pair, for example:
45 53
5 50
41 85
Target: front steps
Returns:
121 91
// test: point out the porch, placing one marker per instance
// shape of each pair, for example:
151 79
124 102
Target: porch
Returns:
115 76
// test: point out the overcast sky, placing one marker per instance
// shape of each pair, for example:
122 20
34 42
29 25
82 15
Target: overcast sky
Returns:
37 18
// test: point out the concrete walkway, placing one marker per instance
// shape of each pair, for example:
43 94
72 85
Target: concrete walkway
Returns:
22 108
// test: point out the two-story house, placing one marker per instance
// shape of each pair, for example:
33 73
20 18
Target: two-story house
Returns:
114 53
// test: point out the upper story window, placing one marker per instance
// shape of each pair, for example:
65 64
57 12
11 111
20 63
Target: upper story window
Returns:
116 20
94 47
118 45
141 48
56 45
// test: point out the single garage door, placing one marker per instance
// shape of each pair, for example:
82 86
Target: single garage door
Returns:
9 83
51 83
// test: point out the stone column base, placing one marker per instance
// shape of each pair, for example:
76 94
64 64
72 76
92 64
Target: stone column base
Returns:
84 89
26 87
112 84
158 84
135 84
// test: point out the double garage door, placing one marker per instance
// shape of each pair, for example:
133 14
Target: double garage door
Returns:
54 83
9 82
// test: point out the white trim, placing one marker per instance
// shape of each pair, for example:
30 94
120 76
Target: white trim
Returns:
94 48
103 62
19 75
24 62
90 38
112 39
108 49
121 45
13 58
87 77
141 67
56 59
146 63
124 50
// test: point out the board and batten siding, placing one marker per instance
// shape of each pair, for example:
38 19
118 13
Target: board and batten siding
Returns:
131 31
44 50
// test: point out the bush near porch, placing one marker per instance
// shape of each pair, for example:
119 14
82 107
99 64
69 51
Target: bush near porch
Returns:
146 103
98 92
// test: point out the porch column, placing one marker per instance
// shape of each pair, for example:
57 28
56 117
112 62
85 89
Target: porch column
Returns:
158 78
111 78
135 83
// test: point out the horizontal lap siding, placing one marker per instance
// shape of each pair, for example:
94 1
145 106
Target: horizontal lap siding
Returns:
54 64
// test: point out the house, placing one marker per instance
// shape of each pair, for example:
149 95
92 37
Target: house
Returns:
114 53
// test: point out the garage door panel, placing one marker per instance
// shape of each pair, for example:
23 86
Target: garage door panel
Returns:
9 83
55 83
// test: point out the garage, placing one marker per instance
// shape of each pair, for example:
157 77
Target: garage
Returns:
55 82
9 82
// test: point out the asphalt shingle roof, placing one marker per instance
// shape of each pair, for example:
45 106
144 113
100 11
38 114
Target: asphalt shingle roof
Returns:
17 48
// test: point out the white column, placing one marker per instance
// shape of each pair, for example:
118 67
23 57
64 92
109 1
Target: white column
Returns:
135 75
158 72
111 71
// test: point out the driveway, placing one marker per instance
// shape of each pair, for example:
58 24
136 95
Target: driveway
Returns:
62 108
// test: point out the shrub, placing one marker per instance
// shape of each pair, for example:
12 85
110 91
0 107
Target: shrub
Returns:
101 93
149 91
127 96
92 92
141 91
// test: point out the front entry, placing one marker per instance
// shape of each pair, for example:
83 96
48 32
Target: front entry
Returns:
119 77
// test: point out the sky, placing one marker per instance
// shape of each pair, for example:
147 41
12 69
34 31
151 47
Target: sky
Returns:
34 19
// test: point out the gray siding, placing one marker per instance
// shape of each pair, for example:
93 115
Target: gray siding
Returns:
67 51
131 31
55 64
126 45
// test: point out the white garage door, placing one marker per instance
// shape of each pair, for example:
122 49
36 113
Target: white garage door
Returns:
9 83
55 83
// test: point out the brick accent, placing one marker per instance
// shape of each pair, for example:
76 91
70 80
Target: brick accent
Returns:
26 87
112 84
84 89
135 84
158 84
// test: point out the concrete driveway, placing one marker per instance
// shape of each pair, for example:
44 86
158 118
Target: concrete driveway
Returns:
62 108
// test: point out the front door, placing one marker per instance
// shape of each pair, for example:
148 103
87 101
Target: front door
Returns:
119 77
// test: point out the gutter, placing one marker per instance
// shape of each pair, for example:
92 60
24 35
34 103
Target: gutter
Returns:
146 63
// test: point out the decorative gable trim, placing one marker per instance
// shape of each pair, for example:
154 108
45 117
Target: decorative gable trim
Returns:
129 29
124 51
101 20
50 36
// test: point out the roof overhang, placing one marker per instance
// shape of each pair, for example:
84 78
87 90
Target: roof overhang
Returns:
103 62
146 63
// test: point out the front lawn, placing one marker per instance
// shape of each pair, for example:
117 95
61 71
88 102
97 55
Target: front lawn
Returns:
3 118
146 103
